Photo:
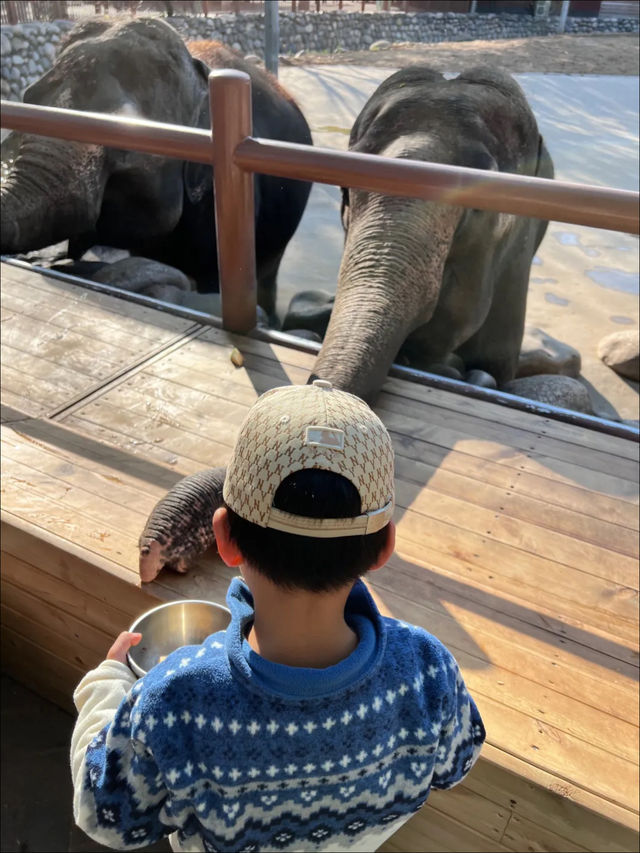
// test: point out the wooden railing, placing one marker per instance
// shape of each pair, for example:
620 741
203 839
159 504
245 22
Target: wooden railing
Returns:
237 155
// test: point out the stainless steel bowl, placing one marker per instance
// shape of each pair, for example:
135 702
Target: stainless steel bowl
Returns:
170 626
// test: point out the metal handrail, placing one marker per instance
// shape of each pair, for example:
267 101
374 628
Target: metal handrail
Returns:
562 201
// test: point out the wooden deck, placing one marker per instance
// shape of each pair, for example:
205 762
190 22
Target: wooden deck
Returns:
517 546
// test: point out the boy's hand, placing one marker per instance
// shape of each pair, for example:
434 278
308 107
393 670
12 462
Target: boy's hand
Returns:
121 646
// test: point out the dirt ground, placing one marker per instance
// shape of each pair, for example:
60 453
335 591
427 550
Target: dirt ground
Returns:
562 54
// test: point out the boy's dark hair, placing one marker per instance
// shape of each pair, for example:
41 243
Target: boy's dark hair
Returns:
308 562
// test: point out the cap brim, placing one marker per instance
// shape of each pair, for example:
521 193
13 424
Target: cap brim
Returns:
330 528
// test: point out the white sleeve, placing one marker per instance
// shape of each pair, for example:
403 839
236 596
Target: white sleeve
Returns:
97 698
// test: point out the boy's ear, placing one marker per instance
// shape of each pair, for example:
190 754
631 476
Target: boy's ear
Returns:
227 548
387 548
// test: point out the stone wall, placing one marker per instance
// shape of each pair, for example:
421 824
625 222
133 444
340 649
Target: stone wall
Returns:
28 50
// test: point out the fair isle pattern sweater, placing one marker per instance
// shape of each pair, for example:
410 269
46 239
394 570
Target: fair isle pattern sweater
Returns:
230 752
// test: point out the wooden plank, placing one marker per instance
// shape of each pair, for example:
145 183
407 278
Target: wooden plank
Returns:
175 403
579 597
557 470
575 761
117 330
181 443
91 572
92 357
581 664
496 666
616 564
109 617
433 465
522 834
75 488
39 670
575 661
538 424
144 461
40 286
421 463
30 365
47 394
508 556
75 652
468 808
18 407
554 803
95 536
436 832
575 553
411 420
435 397
99 480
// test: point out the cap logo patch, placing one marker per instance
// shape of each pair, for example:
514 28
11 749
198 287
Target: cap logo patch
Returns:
325 437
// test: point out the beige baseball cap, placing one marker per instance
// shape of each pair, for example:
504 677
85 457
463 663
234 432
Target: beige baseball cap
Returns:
311 426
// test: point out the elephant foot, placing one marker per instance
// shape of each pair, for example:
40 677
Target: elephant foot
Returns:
440 369
480 378
141 275
309 310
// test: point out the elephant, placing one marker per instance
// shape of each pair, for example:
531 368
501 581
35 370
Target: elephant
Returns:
426 282
157 207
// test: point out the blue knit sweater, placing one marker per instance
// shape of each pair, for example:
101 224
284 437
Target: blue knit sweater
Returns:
234 753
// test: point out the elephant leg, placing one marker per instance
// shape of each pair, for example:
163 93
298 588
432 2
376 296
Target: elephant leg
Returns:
495 346
267 288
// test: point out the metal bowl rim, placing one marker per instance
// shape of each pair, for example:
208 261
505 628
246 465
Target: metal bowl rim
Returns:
137 669
172 604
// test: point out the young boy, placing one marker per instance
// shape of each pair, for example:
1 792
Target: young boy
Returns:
312 722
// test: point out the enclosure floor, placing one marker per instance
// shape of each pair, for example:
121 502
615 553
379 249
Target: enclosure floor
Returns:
517 546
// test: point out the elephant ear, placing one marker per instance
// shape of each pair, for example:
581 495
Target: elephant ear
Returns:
197 176
544 167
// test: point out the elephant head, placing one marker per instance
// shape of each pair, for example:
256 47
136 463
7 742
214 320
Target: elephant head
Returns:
158 207
433 278
60 189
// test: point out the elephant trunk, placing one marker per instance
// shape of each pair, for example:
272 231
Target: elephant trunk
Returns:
54 191
389 284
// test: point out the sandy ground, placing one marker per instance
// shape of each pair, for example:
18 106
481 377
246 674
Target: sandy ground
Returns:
565 54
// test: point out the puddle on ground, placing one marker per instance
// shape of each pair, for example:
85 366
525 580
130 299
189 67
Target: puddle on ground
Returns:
555 300
568 238
624 321
536 280
613 279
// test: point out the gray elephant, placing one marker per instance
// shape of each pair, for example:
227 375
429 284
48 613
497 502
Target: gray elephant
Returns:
431 283
157 207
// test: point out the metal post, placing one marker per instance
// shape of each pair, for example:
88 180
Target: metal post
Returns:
564 11
271 36
230 106
472 7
